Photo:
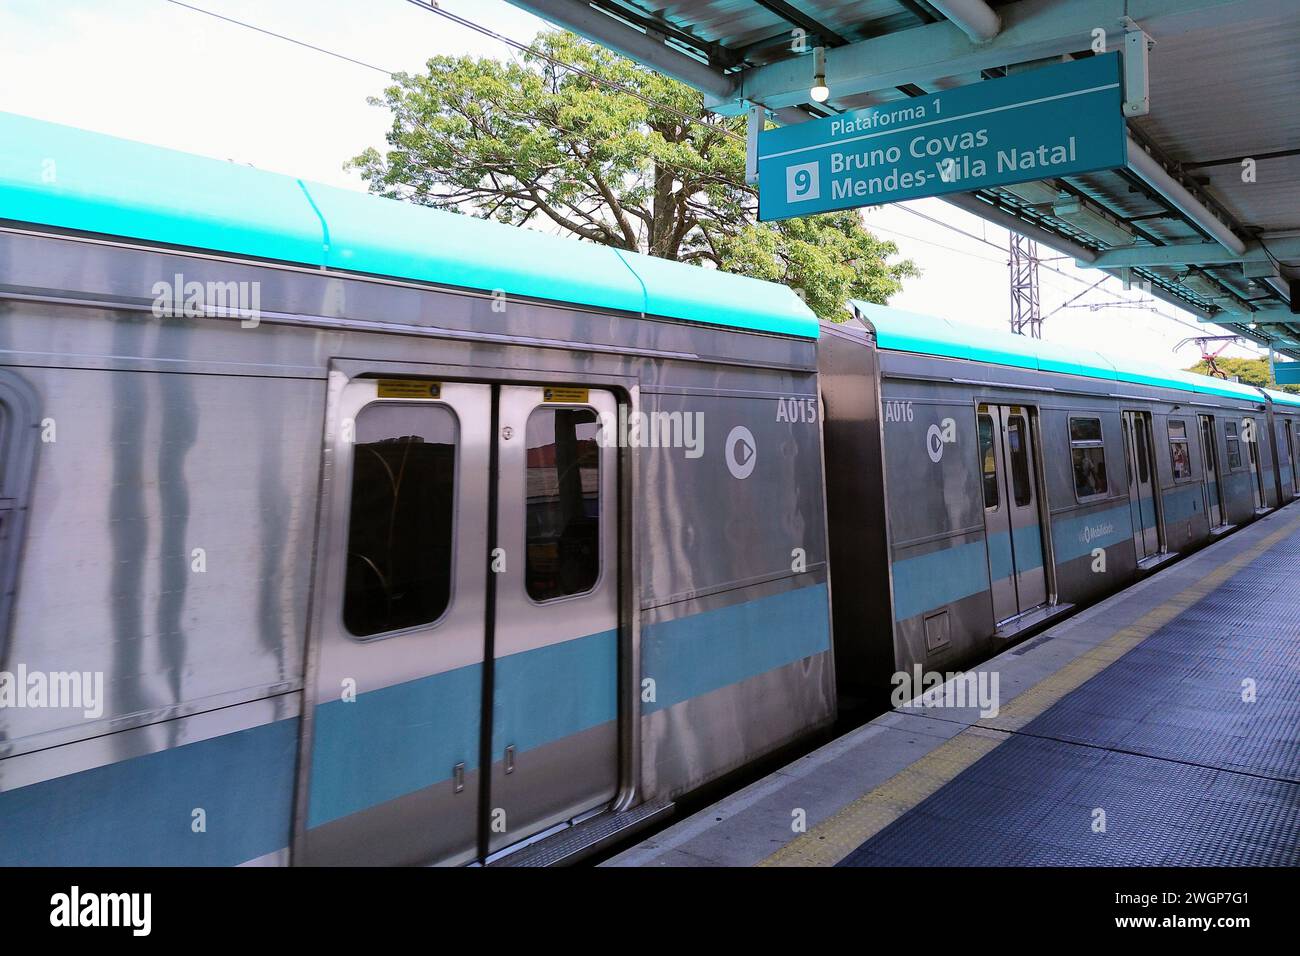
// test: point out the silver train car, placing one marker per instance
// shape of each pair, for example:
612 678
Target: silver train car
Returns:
1010 480
335 530
394 536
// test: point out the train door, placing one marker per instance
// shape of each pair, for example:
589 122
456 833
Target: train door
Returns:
1210 455
1292 428
1012 522
1142 484
1286 469
554 734
470 549
1250 435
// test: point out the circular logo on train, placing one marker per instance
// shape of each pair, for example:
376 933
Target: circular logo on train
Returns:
934 443
741 452
936 436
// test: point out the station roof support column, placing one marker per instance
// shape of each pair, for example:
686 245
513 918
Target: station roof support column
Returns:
1154 175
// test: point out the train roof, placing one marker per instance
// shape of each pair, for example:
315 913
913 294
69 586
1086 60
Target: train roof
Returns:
68 178
928 335
1282 398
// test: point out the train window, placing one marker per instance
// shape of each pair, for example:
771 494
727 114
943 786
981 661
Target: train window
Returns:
1179 455
563 515
400 526
1019 448
1234 444
1088 455
988 462
1143 459
20 426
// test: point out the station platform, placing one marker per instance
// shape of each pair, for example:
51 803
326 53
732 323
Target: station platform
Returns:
1158 727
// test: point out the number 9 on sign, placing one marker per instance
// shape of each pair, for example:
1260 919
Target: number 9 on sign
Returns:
802 183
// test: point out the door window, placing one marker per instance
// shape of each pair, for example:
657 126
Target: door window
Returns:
563 513
399 555
1140 443
1018 445
988 462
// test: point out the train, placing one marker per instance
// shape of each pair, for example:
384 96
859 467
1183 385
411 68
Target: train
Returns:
337 530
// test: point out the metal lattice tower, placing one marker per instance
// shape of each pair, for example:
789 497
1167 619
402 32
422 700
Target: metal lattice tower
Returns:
1024 287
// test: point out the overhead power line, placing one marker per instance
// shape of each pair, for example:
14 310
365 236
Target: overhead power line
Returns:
604 81
281 36
469 24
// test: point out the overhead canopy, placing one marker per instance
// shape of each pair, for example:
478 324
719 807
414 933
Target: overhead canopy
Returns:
1209 234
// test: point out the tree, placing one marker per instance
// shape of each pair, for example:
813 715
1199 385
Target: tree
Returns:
1252 371
641 166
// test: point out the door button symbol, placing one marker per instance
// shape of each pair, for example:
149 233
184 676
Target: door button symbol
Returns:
742 453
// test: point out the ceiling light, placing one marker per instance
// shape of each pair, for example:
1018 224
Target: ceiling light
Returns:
1086 219
820 92
1037 193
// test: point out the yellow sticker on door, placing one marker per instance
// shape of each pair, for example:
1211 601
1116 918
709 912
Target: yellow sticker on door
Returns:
408 388
569 396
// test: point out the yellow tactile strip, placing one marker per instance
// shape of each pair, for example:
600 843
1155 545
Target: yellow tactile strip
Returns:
843 832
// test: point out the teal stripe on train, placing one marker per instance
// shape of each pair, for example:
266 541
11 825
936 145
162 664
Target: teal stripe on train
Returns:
400 739
553 692
1077 536
694 655
999 557
1182 503
942 577
393 741
139 811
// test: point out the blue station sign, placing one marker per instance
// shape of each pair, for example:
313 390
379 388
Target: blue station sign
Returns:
1286 373
1054 121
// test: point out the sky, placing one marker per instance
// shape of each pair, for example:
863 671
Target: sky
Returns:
154 71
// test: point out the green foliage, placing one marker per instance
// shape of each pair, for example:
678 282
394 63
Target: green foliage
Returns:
527 141
1252 371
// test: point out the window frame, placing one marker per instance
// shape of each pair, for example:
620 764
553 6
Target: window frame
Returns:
346 529
1231 436
1185 441
993 450
1082 444
1013 484
20 430
601 504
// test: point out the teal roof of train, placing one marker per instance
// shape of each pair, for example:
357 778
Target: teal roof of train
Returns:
1282 398
928 335
69 178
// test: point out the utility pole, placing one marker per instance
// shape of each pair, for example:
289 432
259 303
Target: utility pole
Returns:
1024 287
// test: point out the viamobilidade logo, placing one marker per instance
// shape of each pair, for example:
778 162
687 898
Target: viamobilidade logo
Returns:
1092 532
74 908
